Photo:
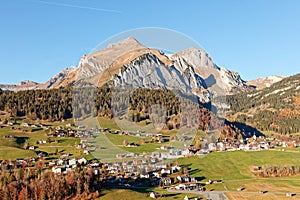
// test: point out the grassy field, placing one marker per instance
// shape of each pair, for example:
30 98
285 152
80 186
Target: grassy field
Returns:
7 153
118 140
12 148
257 196
233 169
235 165
126 194
108 123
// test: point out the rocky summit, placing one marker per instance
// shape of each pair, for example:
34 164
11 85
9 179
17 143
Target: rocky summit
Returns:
130 63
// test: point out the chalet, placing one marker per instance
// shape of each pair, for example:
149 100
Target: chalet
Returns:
71 131
31 148
68 125
220 146
212 147
290 194
60 162
51 164
164 147
25 125
20 162
149 135
72 161
9 136
166 171
176 169
10 123
166 181
42 154
40 125
155 195
87 152
42 141
82 161
56 170
64 156
188 186
132 144
186 179
145 175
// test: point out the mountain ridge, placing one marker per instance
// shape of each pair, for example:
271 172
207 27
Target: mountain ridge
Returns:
275 108
263 82
195 66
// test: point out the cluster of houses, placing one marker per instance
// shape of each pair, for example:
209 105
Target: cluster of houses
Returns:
69 132
66 164
6 165
133 169
249 144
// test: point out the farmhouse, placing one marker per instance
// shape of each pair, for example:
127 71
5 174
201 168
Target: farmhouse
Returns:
155 195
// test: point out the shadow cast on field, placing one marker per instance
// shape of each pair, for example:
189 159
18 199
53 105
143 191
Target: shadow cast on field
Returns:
21 140
248 131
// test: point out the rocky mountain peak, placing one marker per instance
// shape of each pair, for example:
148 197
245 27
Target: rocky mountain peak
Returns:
265 82
129 62
196 57
27 83
130 41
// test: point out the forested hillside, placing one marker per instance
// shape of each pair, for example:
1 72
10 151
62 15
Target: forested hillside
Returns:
170 107
276 108
58 104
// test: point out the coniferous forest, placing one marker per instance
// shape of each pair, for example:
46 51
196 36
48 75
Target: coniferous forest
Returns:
264 110
276 108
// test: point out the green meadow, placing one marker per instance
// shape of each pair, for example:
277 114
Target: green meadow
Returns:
233 169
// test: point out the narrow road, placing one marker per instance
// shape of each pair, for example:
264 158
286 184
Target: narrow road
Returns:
213 195
219 195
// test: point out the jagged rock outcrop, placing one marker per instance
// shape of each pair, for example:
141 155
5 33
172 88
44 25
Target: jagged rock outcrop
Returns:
130 63
219 80
23 85
265 82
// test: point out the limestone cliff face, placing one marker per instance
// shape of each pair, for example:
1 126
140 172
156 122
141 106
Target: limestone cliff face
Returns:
219 80
129 63
148 71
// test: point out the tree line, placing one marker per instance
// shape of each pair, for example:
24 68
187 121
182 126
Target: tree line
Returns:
157 105
268 170
33 183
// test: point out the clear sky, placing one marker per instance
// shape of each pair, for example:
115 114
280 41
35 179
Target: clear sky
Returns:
255 37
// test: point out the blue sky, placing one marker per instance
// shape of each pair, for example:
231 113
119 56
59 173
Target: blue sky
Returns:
255 37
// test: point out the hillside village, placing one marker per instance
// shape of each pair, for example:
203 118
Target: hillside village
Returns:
154 169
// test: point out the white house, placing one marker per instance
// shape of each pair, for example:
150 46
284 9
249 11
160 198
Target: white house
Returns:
82 161
72 161
31 147
56 170
155 195
87 152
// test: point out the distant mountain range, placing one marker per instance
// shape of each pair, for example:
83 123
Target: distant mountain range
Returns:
128 62
270 103
265 82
